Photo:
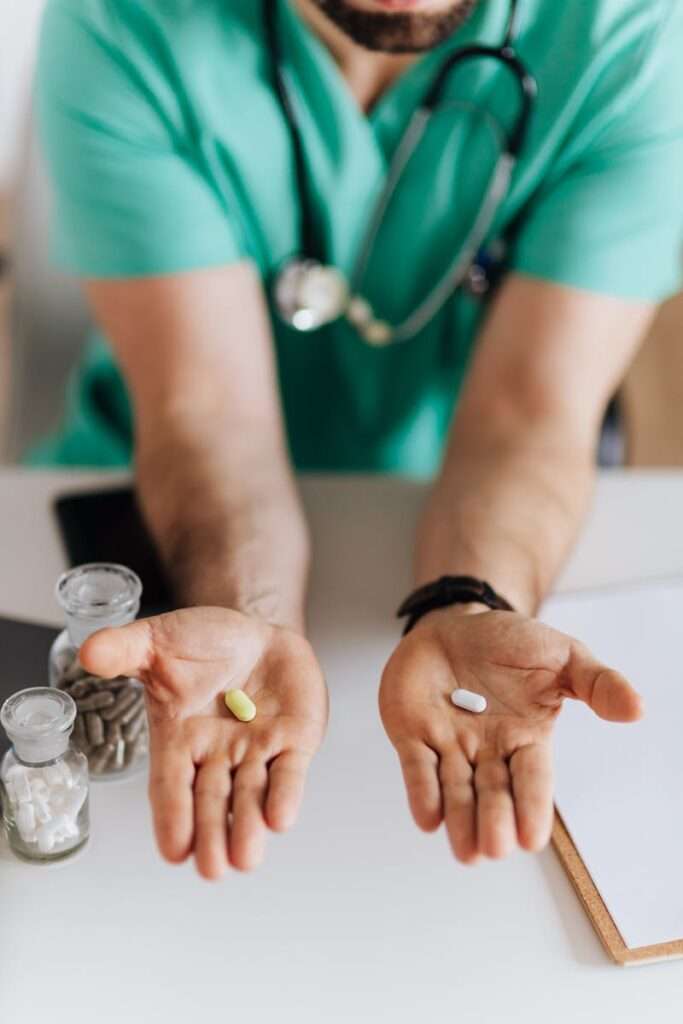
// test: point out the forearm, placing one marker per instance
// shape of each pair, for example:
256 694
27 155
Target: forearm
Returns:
518 473
223 507
212 469
507 508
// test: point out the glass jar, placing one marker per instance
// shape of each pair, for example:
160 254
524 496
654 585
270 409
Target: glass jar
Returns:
44 780
111 722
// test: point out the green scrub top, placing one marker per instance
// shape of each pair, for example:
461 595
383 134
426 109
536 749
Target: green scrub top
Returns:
168 152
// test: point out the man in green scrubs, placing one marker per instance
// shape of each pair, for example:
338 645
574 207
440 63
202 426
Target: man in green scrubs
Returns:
176 200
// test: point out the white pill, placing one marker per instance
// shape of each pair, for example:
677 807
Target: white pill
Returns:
62 828
38 786
22 788
43 812
18 785
74 802
52 773
57 798
26 823
469 701
46 838
66 831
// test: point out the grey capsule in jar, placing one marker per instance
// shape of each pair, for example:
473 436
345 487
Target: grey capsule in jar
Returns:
111 721
94 597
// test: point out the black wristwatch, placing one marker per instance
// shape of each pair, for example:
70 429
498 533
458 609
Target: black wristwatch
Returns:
446 591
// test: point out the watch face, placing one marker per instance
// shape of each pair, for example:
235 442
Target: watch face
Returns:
309 294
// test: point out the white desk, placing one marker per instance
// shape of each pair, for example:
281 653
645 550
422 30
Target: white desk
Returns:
356 916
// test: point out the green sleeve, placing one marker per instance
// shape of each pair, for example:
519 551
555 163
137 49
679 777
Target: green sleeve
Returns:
131 196
610 218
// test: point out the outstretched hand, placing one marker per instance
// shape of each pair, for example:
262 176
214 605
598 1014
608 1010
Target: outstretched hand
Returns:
489 775
217 784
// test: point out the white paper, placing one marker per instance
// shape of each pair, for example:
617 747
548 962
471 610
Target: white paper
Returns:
620 787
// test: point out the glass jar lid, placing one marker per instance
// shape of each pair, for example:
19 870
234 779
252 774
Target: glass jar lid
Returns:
100 590
38 722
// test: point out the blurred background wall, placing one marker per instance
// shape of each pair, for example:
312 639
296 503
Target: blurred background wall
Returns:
18 27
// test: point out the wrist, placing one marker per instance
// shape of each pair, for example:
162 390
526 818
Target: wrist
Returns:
271 606
468 592
452 539
471 608
442 615
240 582
253 575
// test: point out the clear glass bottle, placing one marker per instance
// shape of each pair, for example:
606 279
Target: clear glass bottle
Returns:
43 779
111 722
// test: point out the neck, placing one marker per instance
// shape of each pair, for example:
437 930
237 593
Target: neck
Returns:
367 74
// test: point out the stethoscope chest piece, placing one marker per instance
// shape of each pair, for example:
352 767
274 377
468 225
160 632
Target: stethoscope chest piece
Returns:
310 294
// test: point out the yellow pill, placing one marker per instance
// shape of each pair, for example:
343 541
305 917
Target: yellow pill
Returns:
240 704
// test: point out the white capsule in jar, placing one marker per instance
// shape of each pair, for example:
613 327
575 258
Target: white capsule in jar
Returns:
469 701
44 780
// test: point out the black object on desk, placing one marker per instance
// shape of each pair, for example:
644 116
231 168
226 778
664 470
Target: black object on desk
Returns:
24 650
107 526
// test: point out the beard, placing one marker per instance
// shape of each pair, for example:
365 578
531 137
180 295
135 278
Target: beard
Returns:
397 32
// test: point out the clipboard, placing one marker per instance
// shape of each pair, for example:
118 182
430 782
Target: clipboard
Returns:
599 915
604 771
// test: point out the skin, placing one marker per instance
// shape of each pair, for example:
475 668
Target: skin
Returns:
414 27
219 496
512 494
209 770
489 777
228 522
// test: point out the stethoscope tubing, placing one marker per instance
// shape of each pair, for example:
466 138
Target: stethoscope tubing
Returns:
496 190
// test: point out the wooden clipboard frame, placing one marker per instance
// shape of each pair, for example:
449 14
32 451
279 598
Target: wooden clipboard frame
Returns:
598 913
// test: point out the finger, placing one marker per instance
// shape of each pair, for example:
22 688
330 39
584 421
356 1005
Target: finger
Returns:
496 832
286 780
171 777
121 651
248 831
459 804
420 766
211 794
531 771
607 692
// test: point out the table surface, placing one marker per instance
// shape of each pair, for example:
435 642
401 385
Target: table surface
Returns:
356 915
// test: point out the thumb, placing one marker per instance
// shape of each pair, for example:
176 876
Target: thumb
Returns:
604 690
121 651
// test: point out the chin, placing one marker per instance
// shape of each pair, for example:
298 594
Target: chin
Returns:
405 6
398 26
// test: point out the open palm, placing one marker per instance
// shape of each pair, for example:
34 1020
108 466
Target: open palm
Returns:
489 776
217 784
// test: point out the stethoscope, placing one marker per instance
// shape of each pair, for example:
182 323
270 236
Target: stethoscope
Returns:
309 293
